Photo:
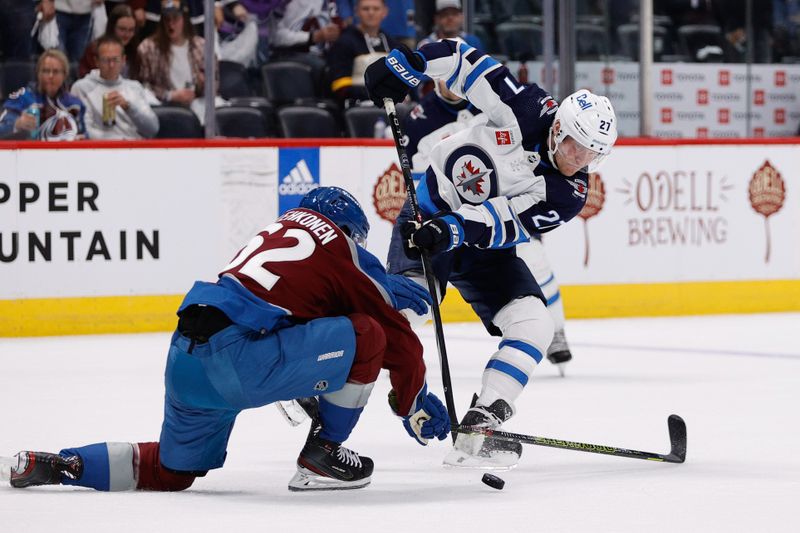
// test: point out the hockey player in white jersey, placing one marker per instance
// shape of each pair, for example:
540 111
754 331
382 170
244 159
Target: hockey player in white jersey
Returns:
439 115
489 188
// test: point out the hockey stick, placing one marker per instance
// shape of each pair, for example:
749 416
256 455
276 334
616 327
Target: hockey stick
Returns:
427 268
677 439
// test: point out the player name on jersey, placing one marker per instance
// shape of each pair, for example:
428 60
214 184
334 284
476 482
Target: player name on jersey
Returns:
315 224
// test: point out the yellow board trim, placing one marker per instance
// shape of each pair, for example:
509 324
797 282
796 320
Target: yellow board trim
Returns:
133 314
82 316
661 299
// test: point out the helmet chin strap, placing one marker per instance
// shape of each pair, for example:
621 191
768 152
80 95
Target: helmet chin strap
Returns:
551 151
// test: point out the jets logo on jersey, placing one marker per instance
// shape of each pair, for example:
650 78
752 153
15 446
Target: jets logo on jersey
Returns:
471 179
580 186
549 106
473 174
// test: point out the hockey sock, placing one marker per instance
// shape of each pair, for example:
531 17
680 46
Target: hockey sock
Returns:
339 411
107 466
508 370
527 331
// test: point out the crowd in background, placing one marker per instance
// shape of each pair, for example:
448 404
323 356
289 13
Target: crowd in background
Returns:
99 68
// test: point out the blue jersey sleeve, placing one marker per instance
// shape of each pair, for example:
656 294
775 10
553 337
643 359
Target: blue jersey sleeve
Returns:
373 268
17 102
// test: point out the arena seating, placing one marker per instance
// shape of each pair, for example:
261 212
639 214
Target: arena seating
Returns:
236 121
177 123
307 122
360 121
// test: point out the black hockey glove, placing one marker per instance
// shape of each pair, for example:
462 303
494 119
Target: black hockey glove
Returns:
394 75
437 235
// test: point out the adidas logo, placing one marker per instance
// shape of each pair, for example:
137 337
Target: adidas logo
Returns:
298 181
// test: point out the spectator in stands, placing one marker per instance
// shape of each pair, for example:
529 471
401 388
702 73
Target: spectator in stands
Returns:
262 10
138 7
734 24
171 62
399 22
121 25
302 30
683 12
786 24
357 47
152 11
237 35
116 108
74 19
31 106
111 4
449 24
16 23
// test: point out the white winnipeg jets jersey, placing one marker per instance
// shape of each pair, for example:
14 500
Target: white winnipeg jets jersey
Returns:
497 176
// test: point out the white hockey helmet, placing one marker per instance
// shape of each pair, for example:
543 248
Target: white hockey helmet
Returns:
590 120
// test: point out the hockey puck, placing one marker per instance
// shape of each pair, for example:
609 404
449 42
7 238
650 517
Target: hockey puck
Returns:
493 481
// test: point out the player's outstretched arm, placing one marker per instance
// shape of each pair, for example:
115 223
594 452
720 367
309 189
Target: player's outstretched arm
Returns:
409 294
470 74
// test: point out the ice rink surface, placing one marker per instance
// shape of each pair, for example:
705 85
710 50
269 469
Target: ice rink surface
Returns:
734 379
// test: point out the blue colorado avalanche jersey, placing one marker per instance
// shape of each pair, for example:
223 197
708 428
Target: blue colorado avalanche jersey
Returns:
496 175
26 97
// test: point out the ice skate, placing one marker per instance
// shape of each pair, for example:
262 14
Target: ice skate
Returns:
558 353
478 451
40 468
327 465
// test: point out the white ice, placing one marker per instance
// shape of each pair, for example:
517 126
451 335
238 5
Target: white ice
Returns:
734 379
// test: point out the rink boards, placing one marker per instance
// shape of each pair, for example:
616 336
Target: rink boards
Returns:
106 237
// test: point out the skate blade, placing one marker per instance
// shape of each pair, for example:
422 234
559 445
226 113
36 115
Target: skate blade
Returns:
306 480
496 461
561 369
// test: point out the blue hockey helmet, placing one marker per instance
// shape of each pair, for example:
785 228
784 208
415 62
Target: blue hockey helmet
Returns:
341 208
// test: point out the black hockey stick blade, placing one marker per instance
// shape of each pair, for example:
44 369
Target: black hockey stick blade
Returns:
677 439
675 424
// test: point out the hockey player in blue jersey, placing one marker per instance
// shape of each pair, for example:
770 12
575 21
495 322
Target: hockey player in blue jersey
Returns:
489 188
302 310
439 115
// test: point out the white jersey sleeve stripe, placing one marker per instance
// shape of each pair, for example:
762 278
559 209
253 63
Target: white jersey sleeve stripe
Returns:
497 229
